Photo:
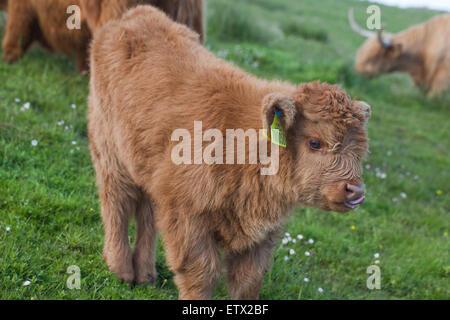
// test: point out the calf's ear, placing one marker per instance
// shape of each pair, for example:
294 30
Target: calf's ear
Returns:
281 105
365 110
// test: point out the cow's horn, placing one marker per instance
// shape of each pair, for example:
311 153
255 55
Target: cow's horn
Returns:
356 27
384 43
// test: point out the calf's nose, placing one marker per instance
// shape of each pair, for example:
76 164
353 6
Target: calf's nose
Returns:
354 192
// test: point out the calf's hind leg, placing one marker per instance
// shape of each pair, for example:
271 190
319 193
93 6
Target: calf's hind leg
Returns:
144 246
119 202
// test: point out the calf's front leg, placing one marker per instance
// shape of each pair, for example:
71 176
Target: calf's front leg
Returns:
192 256
245 270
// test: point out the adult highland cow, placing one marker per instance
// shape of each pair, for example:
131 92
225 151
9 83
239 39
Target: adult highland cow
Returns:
423 51
151 78
45 21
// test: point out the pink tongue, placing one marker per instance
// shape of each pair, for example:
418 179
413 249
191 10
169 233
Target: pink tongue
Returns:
357 201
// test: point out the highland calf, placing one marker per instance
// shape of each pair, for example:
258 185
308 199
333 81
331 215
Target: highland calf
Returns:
45 22
423 51
149 77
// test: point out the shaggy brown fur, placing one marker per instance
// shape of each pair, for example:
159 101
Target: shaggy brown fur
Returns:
44 21
188 12
3 4
150 76
423 51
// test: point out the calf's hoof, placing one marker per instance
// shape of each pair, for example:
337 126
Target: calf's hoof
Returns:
11 57
122 269
11 52
146 279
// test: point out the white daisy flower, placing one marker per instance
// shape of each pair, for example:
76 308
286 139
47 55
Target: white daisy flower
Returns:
34 143
403 195
299 236
74 142
377 261
307 253
26 283
376 255
8 228
306 279
17 100
287 234
291 251
320 290
60 123
74 106
311 240
286 258
294 241
284 241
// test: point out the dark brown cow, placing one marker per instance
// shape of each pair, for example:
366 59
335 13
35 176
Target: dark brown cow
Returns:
3 4
44 21
187 12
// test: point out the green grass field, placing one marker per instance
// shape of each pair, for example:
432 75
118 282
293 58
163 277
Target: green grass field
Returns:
49 210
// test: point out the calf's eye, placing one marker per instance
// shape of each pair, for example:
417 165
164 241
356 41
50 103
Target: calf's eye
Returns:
315 144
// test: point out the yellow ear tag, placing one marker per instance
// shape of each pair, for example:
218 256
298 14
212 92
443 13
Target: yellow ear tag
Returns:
276 131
